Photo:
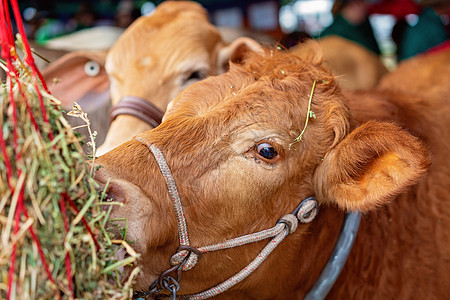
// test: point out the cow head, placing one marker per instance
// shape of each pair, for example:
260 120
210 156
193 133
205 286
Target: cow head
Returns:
228 141
160 55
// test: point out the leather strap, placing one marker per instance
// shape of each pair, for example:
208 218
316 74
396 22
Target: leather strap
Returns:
139 108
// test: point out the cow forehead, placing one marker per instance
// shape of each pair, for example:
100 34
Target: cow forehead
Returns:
150 35
149 44
236 94
225 115
168 56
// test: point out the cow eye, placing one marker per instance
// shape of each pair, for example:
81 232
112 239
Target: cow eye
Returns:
196 75
92 68
267 151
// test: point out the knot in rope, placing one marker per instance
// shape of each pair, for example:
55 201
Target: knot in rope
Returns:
185 257
290 221
308 210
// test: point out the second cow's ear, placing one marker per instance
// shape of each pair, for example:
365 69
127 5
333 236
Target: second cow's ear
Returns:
80 77
236 51
374 163
77 75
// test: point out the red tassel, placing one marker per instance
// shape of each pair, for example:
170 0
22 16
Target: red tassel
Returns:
62 205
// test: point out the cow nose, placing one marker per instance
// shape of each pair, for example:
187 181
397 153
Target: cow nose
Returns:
106 186
109 190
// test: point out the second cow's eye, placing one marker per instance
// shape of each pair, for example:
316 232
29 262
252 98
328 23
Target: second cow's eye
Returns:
92 68
266 150
196 75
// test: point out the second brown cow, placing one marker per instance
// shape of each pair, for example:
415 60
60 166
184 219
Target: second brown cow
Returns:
160 55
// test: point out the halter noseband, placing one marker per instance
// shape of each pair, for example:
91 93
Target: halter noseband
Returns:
139 108
187 256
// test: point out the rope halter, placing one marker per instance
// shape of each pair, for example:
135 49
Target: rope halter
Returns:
187 256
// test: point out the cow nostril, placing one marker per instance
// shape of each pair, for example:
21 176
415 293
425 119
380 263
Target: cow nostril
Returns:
111 192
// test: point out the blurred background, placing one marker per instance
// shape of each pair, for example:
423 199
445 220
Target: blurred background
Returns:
287 22
373 37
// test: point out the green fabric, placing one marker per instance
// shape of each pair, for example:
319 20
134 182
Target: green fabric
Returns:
50 29
427 33
361 34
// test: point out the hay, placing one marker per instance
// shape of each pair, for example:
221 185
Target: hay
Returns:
309 114
53 241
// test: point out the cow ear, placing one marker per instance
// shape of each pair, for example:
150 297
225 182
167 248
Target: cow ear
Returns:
81 77
374 163
236 51
76 75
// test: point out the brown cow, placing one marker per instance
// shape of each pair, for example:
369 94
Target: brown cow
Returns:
426 76
355 67
160 55
228 142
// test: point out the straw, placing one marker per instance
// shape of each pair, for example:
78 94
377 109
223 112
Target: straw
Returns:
54 240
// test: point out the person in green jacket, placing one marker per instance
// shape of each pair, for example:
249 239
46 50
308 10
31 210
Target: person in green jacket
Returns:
427 33
351 22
